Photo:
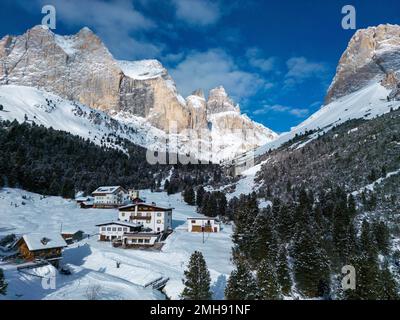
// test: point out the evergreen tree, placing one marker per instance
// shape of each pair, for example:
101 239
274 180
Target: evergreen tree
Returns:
366 264
199 196
263 243
3 284
382 236
267 281
389 288
197 279
311 264
283 272
189 196
241 284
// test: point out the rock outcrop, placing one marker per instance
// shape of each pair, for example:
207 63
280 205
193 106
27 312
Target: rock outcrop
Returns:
80 68
372 54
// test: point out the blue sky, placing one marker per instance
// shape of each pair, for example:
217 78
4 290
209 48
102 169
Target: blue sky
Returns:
276 58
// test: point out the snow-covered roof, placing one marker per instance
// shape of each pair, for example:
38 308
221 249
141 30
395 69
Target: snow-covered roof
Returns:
121 223
201 218
106 190
38 241
146 205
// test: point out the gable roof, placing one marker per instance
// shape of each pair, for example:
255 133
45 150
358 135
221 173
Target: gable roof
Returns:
38 241
120 223
107 190
146 205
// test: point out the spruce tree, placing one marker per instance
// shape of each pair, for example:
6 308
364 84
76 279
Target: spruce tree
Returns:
199 196
311 264
283 272
389 288
267 281
197 279
241 284
3 284
366 264
189 196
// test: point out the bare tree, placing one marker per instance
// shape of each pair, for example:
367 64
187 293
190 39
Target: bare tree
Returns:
93 292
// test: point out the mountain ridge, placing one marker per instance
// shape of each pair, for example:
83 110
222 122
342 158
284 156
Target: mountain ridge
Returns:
80 68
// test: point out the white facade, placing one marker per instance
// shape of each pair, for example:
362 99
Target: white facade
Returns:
140 239
159 220
110 196
203 224
115 230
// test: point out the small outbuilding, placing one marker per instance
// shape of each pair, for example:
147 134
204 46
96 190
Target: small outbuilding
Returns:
203 224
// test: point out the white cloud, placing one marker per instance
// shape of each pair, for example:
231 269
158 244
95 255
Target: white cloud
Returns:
300 69
197 12
256 59
114 21
297 112
212 68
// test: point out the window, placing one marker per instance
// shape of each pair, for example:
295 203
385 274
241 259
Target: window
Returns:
119 229
140 240
114 229
123 214
103 228
146 240
193 221
159 221
134 240
108 229
125 229
159 214
139 214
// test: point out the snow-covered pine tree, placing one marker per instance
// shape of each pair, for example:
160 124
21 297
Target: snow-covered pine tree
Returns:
199 196
389 287
267 281
264 243
283 274
3 284
189 196
241 284
197 279
311 264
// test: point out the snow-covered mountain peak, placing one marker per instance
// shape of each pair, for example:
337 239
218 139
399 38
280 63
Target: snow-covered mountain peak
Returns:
219 101
80 68
372 55
143 69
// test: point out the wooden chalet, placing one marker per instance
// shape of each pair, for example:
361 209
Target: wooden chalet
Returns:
46 247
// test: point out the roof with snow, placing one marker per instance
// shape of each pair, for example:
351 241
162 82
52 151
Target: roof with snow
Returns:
38 241
129 206
202 218
120 223
107 190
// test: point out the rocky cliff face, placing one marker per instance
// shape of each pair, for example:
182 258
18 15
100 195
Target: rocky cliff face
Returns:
373 54
80 68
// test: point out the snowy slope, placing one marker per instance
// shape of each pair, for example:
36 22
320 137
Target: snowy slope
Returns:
29 104
94 262
366 103
49 110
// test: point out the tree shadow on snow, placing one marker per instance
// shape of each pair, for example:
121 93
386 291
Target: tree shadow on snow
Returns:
77 255
218 288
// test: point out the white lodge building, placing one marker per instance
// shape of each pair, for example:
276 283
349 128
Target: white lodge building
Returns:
203 224
115 230
110 197
148 215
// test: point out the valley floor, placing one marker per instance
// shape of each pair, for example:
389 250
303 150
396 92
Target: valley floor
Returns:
94 263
